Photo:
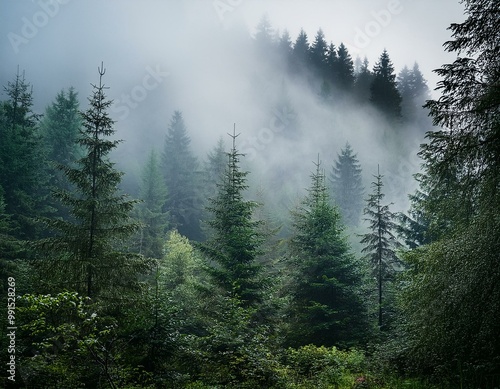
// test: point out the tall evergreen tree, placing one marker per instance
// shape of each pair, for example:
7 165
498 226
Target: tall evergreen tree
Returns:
326 308
180 169
59 129
380 241
300 53
317 54
23 176
234 244
363 82
456 279
414 92
83 256
285 47
152 215
384 93
347 187
343 69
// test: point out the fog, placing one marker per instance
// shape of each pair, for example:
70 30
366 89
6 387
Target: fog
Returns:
195 56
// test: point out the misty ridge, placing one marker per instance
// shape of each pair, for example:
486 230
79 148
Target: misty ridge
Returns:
291 99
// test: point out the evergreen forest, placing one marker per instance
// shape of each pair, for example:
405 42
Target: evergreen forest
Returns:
261 263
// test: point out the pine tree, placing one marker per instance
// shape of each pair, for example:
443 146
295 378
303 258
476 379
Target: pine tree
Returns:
83 256
414 92
362 83
234 245
347 187
343 69
285 47
380 241
455 280
300 53
154 194
326 308
180 169
384 93
59 129
317 54
23 176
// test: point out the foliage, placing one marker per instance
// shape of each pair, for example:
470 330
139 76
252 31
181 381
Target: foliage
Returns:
23 177
234 245
326 307
83 256
180 171
384 92
153 193
380 241
347 187
69 342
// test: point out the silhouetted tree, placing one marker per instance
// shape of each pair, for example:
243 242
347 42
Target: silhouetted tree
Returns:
384 93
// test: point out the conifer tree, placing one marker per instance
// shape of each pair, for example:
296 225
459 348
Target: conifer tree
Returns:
317 54
362 82
83 256
380 241
347 187
343 69
234 245
326 308
152 215
300 53
414 92
384 93
23 176
59 130
180 169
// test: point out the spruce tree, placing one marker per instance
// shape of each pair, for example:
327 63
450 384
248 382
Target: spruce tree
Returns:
59 129
180 169
380 241
317 54
23 175
414 92
83 256
300 53
363 81
343 69
347 187
384 93
235 241
151 211
326 308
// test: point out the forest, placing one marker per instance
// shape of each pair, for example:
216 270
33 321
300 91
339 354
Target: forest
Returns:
262 263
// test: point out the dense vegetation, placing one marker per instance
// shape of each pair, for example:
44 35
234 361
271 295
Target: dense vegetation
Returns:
196 285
